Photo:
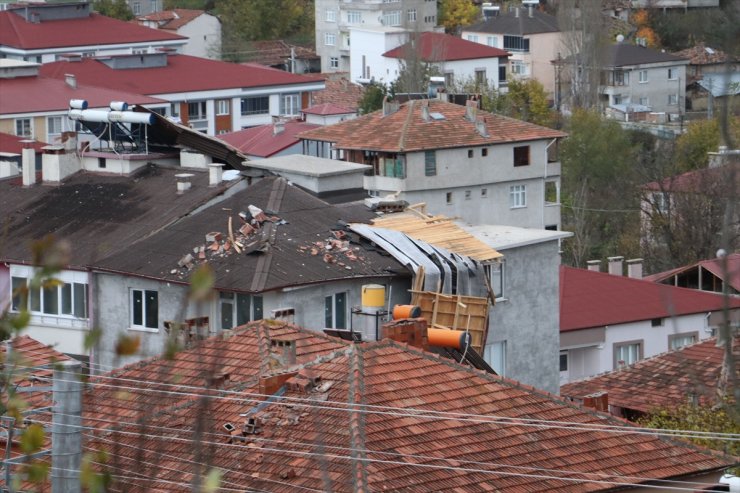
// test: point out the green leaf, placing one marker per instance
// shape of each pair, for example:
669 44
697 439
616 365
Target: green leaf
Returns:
127 344
201 283
37 472
21 320
32 439
213 481
92 337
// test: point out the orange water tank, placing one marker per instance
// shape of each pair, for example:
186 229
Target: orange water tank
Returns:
458 339
406 311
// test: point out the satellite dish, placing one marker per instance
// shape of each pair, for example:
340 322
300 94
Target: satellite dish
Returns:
620 38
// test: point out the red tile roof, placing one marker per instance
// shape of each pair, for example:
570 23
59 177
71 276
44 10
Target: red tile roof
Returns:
405 130
713 265
327 109
440 47
87 31
340 90
699 180
595 299
45 94
262 141
426 424
12 143
663 381
172 20
701 54
182 73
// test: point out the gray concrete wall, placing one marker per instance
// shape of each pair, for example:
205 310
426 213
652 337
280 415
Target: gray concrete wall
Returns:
528 318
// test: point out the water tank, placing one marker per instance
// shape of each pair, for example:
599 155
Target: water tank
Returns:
373 302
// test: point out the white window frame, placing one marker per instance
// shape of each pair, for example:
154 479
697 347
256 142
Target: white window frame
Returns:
330 311
496 273
517 196
628 352
392 18
143 326
231 301
223 107
50 136
472 37
290 104
677 341
672 74
136 8
411 15
354 17
645 101
492 41
673 99
642 76
330 39
72 280
331 15
495 355
518 67
24 122
333 62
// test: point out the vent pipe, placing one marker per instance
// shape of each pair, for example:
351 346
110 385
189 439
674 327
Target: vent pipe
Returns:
66 428
615 265
183 182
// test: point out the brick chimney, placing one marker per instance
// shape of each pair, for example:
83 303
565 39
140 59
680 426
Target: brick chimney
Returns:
615 265
411 331
634 268
284 351
598 401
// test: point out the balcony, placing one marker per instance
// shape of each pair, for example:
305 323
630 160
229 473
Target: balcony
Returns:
384 183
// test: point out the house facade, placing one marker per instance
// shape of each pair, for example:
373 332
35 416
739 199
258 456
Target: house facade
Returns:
481 167
608 321
43 32
531 37
210 96
335 18
144 7
202 29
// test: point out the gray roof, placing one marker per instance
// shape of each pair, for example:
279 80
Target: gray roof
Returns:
277 255
721 84
625 54
308 165
509 23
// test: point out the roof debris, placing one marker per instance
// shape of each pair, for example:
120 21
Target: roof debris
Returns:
336 250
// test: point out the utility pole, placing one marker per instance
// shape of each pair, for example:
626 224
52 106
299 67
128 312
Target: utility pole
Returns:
66 431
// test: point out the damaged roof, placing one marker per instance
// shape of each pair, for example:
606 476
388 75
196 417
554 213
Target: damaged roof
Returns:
97 214
290 243
381 416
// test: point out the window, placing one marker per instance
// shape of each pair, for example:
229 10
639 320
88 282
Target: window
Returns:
333 62
656 322
644 101
484 152
563 360
672 99
335 311
222 107
672 74
393 166
136 8
468 194
642 76
144 309
430 163
518 67
484 192
502 74
516 43
470 153
495 273
331 16
521 156
676 341
54 127
392 18
449 78
237 309
197 110
627 353
492 41
258 105
290 104
551 192
448 197
330 39
23 127
495 355
65 299
175 109
480 76
354 16
620 78
473 38
517 196
617 99
411 15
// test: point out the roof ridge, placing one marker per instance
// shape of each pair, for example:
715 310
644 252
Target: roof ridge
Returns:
402 133
356 420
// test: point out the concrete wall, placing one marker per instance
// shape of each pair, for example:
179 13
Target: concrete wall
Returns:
366 54
657 88
204 37
528 316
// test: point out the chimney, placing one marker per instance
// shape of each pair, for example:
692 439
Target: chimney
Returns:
615 265
598 401
425 110
411 331
634 268
183 182
284 350
28 163
471 110
71 80
529 10
278 127
390 107
516 12
594 265
66 428
215 174
480 126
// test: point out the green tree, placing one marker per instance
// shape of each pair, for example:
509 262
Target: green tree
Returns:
700 138
454 14
118 9
372 100
527 100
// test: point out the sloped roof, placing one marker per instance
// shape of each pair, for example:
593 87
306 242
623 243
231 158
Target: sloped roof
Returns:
406 130
390 417
663 381
41 94
277 52
712 265
440 47
86 31
12 143
301 220
183 73
595 299
340 91
262 140
721 84
97 214
326 109
709 180
519 25
701 54
626 54
172 20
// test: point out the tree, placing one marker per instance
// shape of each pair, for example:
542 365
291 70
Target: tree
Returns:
118 9
526 100
454 14
372 100
700 138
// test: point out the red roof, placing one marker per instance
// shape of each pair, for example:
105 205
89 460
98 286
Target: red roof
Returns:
43 94
327 109
406 130
172 20
182 73
440 47
12 143
690 371
385 417
262 141
595 299
713 265
86 31
700 180
339 90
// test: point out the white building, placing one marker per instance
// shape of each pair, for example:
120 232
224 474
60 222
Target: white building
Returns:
202 29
